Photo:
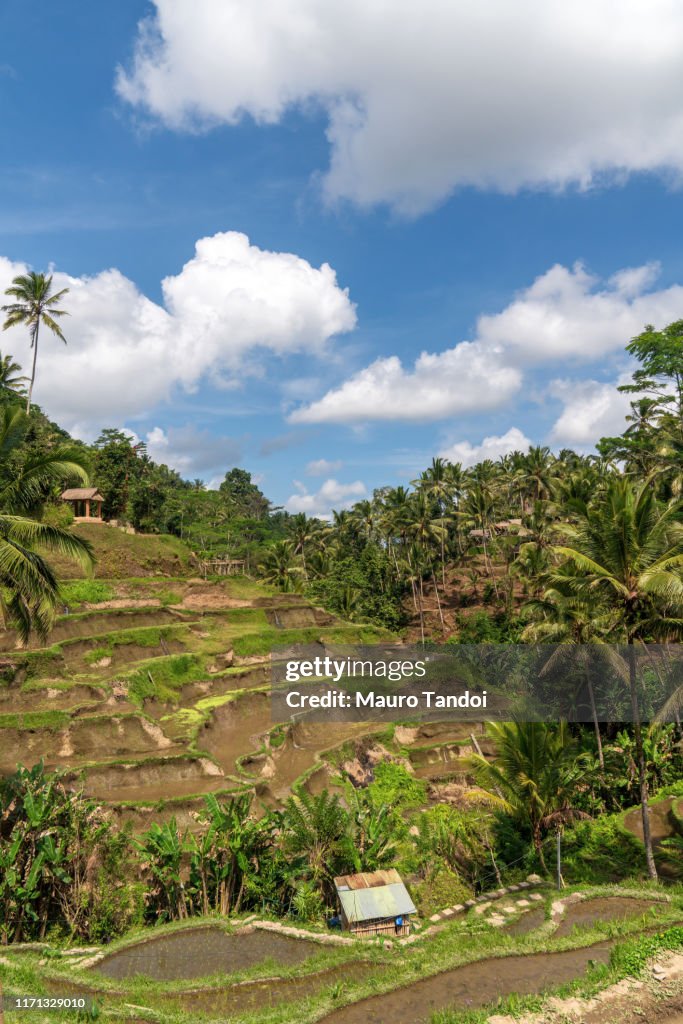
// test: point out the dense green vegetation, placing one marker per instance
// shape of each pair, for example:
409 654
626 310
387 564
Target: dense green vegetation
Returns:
66 869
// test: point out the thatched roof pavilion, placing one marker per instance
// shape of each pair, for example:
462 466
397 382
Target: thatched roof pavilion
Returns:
84 500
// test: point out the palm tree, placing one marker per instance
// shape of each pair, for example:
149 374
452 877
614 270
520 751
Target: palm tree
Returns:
349 600
535 473
628 550
30 589
364 515
426 529
573 623
455 476
302 531
436 483
478 510
536 774
34 304
11 383
280 566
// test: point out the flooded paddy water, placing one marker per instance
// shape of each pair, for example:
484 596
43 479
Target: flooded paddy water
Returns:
472 986
258 995
200 952
607 908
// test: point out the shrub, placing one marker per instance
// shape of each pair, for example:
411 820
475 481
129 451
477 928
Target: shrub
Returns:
394 785
58 514
307 903
442 888
600 850
78 592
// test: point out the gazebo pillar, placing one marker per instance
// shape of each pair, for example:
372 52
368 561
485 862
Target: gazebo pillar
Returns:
87 508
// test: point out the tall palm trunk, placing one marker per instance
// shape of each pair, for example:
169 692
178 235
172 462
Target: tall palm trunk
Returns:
538 845
33 369
596 724
489 565
438 602
640 758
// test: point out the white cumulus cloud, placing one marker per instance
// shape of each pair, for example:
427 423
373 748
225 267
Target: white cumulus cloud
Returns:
126 353
566 315
424 97
590 410
462 379
332 495
493 447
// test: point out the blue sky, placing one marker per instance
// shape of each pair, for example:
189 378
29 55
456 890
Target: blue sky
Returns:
439 189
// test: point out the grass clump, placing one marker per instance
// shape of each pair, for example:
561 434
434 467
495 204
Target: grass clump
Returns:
51 720
163 677
630 958
78 592
601 850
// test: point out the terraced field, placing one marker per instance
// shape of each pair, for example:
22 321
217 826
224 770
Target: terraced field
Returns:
159 694
260 971
156 694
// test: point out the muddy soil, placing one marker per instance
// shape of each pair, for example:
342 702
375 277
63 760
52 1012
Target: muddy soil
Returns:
472 986
76 654
206 596
295 618
440 762
96 624
447 732
303 744
660 821
146 782
528 922
114 737
19 746
49 698
608 908
236 729
93 738
199 952
318 781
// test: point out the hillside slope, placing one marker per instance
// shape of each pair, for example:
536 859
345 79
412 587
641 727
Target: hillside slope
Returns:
119 554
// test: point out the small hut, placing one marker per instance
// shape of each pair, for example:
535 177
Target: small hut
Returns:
374 903
86 503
